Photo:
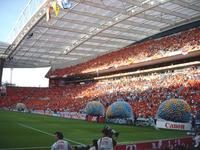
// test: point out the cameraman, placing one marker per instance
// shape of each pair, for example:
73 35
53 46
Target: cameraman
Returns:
60 144
106 142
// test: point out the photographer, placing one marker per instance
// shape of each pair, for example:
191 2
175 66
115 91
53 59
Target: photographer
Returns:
107 142
60 144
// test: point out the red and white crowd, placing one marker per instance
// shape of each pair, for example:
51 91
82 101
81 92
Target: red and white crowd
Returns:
179 43
144 92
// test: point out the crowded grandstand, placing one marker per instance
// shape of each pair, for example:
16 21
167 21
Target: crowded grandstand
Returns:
152 80
144 90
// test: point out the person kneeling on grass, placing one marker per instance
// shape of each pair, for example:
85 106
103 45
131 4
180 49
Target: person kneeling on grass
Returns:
60 144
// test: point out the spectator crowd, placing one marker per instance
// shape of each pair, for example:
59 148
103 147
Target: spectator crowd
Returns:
144 93
179 43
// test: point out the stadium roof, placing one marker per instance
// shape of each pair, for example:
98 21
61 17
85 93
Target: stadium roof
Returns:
3 47
91 28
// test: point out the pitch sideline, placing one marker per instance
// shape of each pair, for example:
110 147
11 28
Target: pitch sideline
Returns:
25 148
29 127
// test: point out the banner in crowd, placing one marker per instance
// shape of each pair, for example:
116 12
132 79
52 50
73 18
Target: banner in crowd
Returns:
72 115
69 115
173 125
41 112
119 121
99 119
171 143
91 118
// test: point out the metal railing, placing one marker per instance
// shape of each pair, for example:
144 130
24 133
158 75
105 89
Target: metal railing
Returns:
30 9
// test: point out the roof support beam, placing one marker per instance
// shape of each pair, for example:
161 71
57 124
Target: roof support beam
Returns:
121 11
66 42
83 50
153 18
132 38
97 46
106 8
123 37
42 58
159 9
64 29
58 50
129 30
32 58
55 35
91 49
110 41
136 24
114 28
1 69
90 14
28 60
173 13
181 23
186 4
50 53
22 64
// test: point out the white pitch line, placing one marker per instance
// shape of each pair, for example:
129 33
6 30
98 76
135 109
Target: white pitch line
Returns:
25 148
29 127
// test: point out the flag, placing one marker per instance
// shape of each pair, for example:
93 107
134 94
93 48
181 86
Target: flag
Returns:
48 15
66 4
56 8
59 2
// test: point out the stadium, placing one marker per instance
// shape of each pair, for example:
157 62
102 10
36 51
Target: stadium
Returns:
131 67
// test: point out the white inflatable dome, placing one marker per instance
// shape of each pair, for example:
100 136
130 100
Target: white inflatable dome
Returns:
21 106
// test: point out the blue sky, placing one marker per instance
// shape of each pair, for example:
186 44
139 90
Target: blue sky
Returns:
9 12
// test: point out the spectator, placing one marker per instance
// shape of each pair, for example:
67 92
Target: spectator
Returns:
193 123
60 144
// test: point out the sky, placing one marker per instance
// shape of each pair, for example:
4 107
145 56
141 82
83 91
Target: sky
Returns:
9 12
28 77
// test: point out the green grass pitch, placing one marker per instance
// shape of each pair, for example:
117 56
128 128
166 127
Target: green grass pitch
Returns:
23 130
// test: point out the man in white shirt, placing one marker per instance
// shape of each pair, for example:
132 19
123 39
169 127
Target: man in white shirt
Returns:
197 140
60 144
106 142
